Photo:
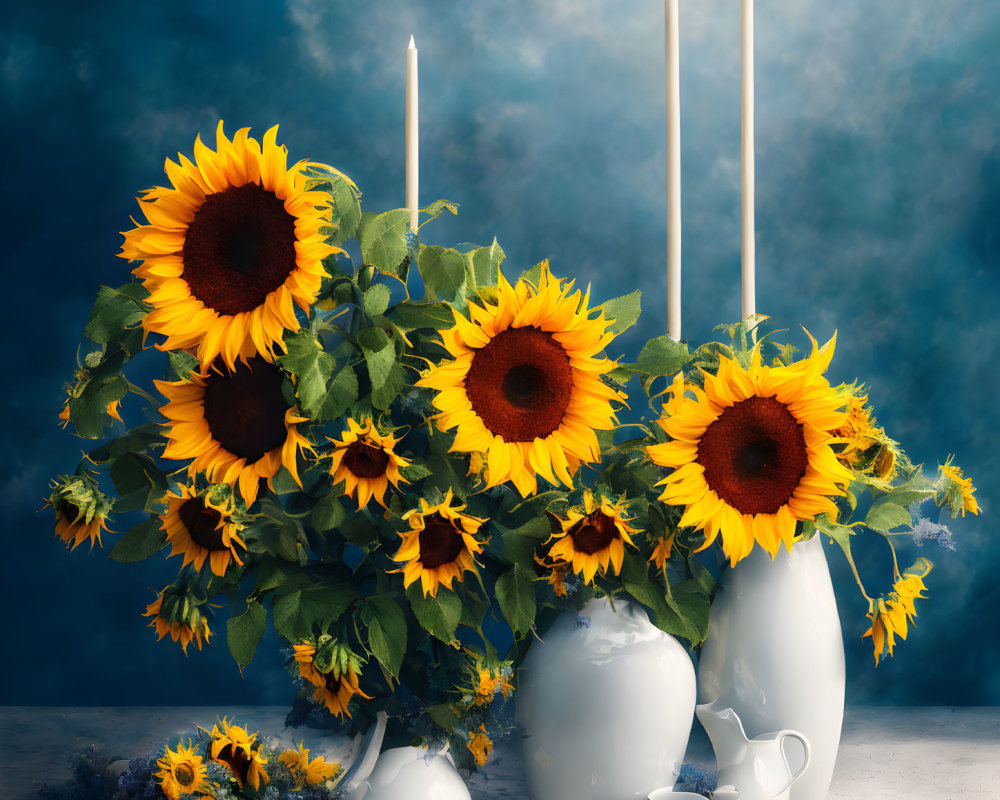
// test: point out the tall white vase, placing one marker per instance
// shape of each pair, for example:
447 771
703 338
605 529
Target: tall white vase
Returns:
605 704
775 654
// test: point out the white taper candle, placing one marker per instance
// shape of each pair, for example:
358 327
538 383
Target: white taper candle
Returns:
673 173
747 164
412 136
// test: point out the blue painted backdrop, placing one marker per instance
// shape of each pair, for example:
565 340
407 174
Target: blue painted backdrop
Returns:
878 167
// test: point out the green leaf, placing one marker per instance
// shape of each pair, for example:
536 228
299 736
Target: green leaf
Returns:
535 528
414 472
139 542
312 366
485 263
383 240
410 316
623 310
518 549
662 356
183 364
379 354
116 311
138 481
884 515
328 513
688 613
395 382
515 592
97 386
440 615
436 209
346 209
340 394
376 299
386 625
138 440
243 633
443 715
841 534
297 612
443 271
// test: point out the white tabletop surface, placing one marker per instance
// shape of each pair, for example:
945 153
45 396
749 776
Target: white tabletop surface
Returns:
886 753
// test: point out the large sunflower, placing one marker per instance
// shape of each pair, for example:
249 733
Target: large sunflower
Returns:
201 528
593 538
366 462
335 687
182 771
440 545
524 386
230 248
235 748
235 424
751 453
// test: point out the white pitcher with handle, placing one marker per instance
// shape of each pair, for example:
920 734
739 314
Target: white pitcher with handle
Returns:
757 768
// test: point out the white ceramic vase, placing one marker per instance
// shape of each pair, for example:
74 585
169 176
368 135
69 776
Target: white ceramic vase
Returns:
605 704
775 654
412 773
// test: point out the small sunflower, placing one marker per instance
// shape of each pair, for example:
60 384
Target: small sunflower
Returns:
860 437
889 615
182 771
956 490
440 546
333 669
751 452
231 248
201 528
304 771
82 510
524 384
593 537
480 745
238 750
662 550
175 611
235 425
366 461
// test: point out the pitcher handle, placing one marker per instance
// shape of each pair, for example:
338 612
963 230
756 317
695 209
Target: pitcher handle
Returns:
781 736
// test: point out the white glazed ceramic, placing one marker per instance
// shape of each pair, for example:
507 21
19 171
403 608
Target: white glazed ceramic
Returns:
670 794
758 768
605 704
775 654
412 773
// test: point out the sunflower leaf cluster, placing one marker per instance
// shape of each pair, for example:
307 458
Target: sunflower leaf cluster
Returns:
409 462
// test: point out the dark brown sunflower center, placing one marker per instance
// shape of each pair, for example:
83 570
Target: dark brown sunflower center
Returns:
365 461
332 683
754 455
440 542
69 510
520 384
593 533
184 775
245 409
201 524
237 761
239 248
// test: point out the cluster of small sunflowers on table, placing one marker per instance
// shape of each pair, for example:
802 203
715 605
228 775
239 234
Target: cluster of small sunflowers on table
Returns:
415 488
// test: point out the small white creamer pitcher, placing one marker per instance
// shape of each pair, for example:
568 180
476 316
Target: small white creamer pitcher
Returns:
757 768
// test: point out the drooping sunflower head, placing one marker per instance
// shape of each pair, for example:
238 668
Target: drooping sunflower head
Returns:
82 510
235 748
662 548
306 772
333 669
176 610
235 425
752 453
524 384
440 546
366 461
203 525
182 772
230 248
479 744
890 614
955 489
593 537
863 446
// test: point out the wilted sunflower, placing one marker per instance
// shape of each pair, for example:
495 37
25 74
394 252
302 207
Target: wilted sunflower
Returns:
957 489
440 545
201 528
751 453
524 386
338 682
230 248
594 537
366 461
235 424
233 747
183 626
81 509
661 550
182 771
889 615
859 435
486 679
304 771
480 745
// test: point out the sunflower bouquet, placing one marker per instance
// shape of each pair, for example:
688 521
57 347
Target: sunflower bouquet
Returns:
412 465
